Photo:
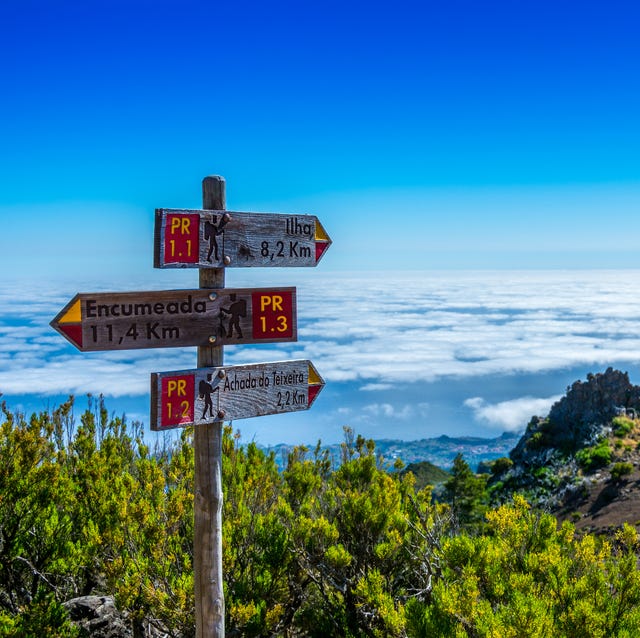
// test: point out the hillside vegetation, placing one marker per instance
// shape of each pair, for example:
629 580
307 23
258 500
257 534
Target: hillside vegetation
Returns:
426 473
87 508
581 461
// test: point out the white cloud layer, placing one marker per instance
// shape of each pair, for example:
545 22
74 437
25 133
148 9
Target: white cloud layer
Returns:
428 327
377 331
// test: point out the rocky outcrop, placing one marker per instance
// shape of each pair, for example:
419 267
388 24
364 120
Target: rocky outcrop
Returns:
578 419
591 403
561 455
98 617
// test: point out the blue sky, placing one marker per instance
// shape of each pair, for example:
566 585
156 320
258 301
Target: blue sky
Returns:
426 137
500 134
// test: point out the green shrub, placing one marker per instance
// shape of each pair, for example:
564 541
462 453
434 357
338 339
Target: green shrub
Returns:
497 487
621 469
541 473
592 458
536 441
622 426
43 617
503 464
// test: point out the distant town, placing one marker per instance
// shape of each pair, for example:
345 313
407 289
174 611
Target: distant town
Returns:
440 450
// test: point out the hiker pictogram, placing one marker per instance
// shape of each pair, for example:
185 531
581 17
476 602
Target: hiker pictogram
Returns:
236 311
213 228
205 390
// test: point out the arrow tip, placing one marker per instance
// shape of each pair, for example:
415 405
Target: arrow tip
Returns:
316 383
68 322
74 314
321 233
323 241
314 377
321 247
73 332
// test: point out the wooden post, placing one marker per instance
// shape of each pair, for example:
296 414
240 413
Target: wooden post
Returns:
207 533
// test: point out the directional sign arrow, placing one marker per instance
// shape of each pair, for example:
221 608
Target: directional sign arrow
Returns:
160 319
217 238
206 395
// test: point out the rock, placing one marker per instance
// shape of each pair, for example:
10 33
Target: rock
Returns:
544 459
574 420
98 617
578 419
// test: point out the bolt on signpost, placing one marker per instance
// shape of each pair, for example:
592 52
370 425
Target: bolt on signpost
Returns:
210 317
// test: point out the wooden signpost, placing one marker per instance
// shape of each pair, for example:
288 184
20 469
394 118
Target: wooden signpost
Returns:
168 318
210 317
207 395
219 238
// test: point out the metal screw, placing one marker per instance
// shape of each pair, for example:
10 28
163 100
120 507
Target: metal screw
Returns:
226 260
226 217
212 339
221 414
213 296
221 374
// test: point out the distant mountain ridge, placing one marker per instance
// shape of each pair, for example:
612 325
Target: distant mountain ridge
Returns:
439 451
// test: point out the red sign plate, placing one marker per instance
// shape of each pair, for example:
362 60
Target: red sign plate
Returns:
181 239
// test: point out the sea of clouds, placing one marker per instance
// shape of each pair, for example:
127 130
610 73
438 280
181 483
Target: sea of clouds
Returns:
404 355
